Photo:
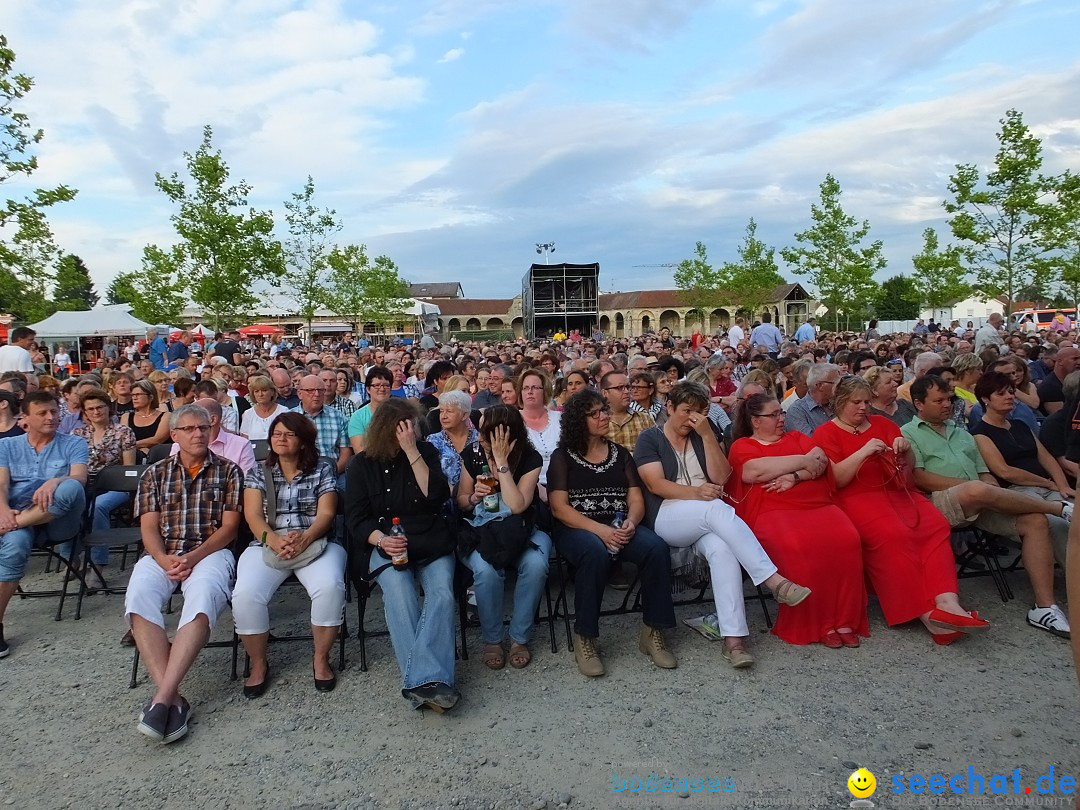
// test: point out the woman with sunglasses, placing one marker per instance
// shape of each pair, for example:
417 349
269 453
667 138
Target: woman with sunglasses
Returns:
781 485
905 540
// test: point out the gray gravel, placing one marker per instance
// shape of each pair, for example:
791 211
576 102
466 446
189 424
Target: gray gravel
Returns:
787 732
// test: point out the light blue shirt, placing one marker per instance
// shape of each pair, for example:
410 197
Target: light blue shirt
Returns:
767 335
29 469
158 349
805 333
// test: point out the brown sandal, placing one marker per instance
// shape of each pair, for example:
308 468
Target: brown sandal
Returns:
493 656
519 656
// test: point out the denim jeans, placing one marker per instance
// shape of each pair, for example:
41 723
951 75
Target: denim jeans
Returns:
532 570
104 505
423 639
69 500
592 563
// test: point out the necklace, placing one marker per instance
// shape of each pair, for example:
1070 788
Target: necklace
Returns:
852 428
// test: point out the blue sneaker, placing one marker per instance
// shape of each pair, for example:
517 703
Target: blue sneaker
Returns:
177 725
153 721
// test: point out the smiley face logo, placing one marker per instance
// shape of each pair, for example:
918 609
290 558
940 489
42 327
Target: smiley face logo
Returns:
862 784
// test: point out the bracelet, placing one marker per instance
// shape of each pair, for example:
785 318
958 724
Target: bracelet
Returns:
413 461
378 543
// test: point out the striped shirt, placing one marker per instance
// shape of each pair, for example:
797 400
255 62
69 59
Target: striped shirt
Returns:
189 509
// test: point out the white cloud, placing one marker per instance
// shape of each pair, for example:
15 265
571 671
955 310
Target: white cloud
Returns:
452 55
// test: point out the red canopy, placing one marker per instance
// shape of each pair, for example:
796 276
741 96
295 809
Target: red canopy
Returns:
261 329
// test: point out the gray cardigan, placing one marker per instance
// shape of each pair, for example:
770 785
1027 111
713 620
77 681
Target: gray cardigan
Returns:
652 445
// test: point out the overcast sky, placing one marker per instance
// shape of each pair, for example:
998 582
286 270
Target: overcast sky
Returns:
453 135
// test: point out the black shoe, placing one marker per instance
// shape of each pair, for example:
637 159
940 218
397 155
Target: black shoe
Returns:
177 725
438 697
4 649
324 684
258 689
153 721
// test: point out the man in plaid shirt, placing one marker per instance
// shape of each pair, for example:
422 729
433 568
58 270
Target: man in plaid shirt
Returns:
189 510
333 437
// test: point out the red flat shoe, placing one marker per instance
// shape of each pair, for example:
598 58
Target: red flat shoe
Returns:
952 621
945 639
848 639
832 640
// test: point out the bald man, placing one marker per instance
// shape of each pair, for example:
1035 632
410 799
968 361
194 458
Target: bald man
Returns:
333 437
235 448
1051 394
286 394
923 363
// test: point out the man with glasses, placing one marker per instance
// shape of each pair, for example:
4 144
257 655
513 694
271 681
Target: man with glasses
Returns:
493 395
231 446
624 425
188 508
812 410
332 435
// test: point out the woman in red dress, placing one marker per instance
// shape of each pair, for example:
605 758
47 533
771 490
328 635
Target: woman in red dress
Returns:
781 485
905 540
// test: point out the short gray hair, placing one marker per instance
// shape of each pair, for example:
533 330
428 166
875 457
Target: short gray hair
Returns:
926 361
821 372
458 400
718 359
800 370
188 410
1070 386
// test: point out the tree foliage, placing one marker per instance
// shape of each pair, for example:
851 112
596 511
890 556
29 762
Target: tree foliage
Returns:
832 255
1062 231
121 290
27 248
307 249
898 299
940 275
1002 223
225 246
74 287
363 291
752 280
700 282
156 292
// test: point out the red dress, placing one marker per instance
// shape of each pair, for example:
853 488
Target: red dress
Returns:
811 541
906 549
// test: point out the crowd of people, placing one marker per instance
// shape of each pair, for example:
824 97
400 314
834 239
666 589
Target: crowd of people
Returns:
818 467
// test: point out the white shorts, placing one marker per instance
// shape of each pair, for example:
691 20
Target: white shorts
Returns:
206 591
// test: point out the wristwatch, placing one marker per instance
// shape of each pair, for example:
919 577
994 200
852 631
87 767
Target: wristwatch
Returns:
795 474
503 469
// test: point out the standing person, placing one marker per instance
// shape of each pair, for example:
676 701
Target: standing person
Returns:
783 488
304 489
15 356
989 335
806 332
156 349
188 508
42 479
394 476
905 540
229 348
684 471
61 362
178 352
736 334
766 334
590 480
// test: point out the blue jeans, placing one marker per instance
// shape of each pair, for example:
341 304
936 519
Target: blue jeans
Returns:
69 501
532 570
104 505
423 639
592 563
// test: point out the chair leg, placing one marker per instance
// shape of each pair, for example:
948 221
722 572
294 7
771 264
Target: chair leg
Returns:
235 656
763 601
361 608
134 670
343 632
550 619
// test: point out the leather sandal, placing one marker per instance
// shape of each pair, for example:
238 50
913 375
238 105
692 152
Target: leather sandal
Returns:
790 593
494 658
519 656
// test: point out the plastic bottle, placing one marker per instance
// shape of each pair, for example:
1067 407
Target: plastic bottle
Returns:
401 559
620 519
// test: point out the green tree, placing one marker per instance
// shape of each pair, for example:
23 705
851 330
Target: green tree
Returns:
898 299
940 275
701 283
1002 223
156 292
120 290
363 291
754 277
832 255
307 249
1062 229
27 248
74 288
225 246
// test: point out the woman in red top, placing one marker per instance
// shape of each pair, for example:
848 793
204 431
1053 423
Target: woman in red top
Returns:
906 549
722 387
781 485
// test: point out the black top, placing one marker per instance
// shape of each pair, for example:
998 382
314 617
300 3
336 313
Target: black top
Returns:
597 491
1016 445
473 459
1054 430
146 432
226 349
1050 391
14 430
123 407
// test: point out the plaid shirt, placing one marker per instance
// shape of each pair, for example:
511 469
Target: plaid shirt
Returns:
189 509
344 405
627 434
297 500
332 433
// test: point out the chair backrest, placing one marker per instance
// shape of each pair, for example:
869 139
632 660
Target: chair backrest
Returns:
261 448
119 478
159 452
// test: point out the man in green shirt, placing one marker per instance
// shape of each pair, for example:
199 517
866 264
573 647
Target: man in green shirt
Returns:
949 468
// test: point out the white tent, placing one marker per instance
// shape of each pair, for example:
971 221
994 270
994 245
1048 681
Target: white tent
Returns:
101 321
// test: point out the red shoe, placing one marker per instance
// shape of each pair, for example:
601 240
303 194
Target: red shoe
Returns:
953 621
848 639
832 640
945 639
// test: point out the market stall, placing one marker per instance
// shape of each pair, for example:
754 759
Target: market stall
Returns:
83 332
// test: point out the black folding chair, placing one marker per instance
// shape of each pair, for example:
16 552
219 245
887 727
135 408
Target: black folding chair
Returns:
159 452
261 448
982 546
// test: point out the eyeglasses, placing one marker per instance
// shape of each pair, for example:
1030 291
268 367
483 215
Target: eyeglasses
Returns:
641 385
598 413
381 387
311 390
286 436
773 415
617 388
532 388
189 429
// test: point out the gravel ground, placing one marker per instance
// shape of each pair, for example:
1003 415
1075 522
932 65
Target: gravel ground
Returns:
787 732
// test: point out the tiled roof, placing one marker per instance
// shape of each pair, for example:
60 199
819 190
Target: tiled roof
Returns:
451 307
439 289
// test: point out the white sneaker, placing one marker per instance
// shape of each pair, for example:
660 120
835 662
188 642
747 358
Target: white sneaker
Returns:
1067 511
1051 619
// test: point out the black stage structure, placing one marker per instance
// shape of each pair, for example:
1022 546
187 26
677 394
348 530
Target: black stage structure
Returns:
560 297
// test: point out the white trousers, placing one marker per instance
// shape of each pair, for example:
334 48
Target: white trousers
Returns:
727 544
256 583
206 591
